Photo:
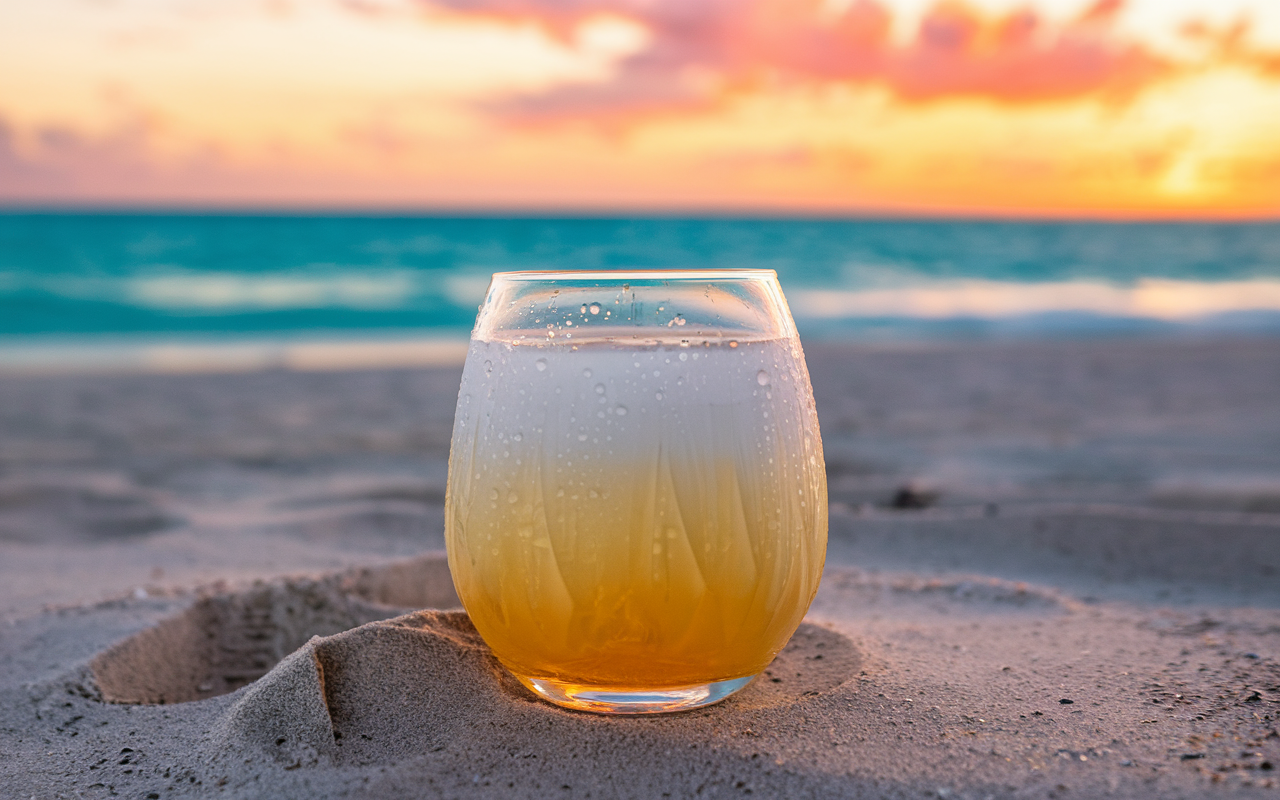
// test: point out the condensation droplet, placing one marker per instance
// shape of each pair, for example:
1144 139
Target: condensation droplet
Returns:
620 411
488 367
586 373
732 343
582 437
684 356
594 308
657 395
493 494
762 378
519 437
512 497
583 310
541 364
599 388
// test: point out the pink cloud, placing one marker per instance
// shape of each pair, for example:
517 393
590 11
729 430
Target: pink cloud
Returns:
701 50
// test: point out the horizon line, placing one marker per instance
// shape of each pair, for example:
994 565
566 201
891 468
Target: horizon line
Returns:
429 211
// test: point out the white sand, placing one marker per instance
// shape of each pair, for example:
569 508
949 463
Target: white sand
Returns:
1106 531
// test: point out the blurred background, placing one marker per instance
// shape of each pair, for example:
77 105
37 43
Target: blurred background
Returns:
239 183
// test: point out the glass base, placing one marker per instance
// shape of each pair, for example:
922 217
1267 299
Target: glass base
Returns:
604 700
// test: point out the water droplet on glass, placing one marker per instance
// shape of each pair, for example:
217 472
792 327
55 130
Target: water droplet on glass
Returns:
586 373
657 396
732 343
493 494
594 308
519 437
512 497
541 364
599 388
488 367
762 378
620 411
679 321
684 356
583 310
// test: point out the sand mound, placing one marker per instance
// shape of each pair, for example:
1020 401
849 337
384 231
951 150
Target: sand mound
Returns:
229 640
329 675
391 690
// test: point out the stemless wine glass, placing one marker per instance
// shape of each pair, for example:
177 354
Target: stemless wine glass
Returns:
637 506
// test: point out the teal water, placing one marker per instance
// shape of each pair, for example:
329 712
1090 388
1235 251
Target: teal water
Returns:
126 274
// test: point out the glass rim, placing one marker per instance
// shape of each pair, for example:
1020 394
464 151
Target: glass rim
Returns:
624 275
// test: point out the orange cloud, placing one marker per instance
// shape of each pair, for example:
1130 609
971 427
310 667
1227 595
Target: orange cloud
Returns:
701 51
1232 44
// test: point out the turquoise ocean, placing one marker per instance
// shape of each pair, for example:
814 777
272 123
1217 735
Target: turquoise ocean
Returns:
70 281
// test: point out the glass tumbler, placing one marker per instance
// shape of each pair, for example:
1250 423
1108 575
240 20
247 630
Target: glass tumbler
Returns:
636 516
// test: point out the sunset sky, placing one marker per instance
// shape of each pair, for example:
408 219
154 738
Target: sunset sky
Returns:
1144 108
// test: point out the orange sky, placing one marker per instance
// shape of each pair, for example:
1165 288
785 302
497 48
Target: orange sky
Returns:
1052 107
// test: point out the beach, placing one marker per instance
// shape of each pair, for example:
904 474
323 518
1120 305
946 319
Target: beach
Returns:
1053 571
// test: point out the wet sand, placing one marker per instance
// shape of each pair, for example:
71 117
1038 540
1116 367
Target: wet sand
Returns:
1054 571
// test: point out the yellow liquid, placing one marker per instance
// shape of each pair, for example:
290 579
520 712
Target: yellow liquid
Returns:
636 517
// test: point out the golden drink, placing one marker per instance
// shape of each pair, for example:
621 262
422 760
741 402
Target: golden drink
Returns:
636 515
